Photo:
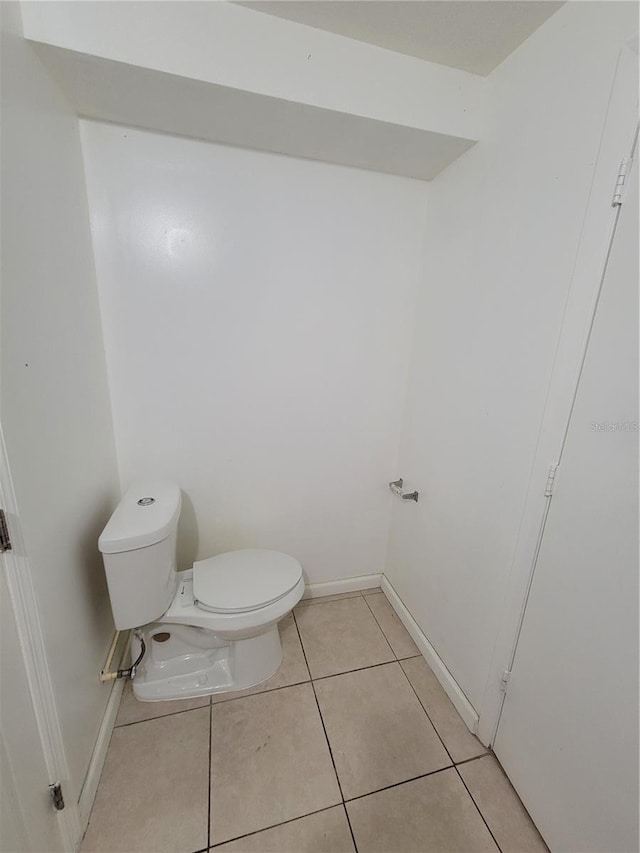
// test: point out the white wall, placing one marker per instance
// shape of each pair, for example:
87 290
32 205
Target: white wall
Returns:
502 234
54 396
257 312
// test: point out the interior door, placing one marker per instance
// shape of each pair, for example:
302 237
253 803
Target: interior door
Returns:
568 734
28 822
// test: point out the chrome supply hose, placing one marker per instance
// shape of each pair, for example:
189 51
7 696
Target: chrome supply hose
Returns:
106 675
130 673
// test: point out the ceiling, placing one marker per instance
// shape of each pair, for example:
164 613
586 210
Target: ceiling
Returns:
472 35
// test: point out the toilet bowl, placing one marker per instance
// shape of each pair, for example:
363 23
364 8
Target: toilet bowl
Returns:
211 629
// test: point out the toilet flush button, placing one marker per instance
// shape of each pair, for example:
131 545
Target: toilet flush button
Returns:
146 501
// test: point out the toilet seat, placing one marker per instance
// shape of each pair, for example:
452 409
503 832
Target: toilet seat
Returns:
245 580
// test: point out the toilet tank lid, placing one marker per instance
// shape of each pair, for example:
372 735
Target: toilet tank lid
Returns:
145 515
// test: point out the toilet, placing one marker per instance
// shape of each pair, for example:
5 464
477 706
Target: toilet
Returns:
210 629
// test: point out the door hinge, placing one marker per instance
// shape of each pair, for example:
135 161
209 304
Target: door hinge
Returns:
5 538
504 681
55 792
623 171
548 489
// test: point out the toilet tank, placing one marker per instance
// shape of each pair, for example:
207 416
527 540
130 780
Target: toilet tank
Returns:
138 548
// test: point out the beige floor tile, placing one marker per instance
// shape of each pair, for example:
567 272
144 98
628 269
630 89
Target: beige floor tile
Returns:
501 807
340 636
371 590
378 731
324 832
133 711
292 670
457 738
153 794
269 762
322 599
393 629
430 815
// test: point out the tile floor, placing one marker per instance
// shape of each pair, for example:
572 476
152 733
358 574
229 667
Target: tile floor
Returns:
351 746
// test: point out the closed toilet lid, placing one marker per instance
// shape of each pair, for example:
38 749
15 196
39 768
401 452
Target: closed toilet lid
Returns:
244 580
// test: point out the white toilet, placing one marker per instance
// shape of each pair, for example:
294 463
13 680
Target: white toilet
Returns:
211 629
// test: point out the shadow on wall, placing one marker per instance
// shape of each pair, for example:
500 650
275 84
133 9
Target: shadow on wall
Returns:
88 555
188 538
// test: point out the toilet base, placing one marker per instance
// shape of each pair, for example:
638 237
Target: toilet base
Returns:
185 662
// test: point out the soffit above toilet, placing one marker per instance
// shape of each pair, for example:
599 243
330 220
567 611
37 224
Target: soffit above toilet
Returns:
472 35
223 73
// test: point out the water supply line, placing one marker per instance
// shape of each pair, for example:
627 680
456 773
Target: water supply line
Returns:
107 674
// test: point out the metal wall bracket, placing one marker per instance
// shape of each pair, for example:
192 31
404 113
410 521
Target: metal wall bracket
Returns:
396 488
55 792
5 538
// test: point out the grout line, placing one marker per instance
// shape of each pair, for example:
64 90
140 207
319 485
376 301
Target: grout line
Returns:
209 788
422 705
335 770
327 599
160 716
504 772
398 784
330 599
304 654
454 762
380 627
357 669
324 729
474 758
256 692
417 654
272 826
321 720
353 838
479 810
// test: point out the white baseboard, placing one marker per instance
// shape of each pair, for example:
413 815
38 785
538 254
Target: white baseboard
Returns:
316 590
448 682
99 755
